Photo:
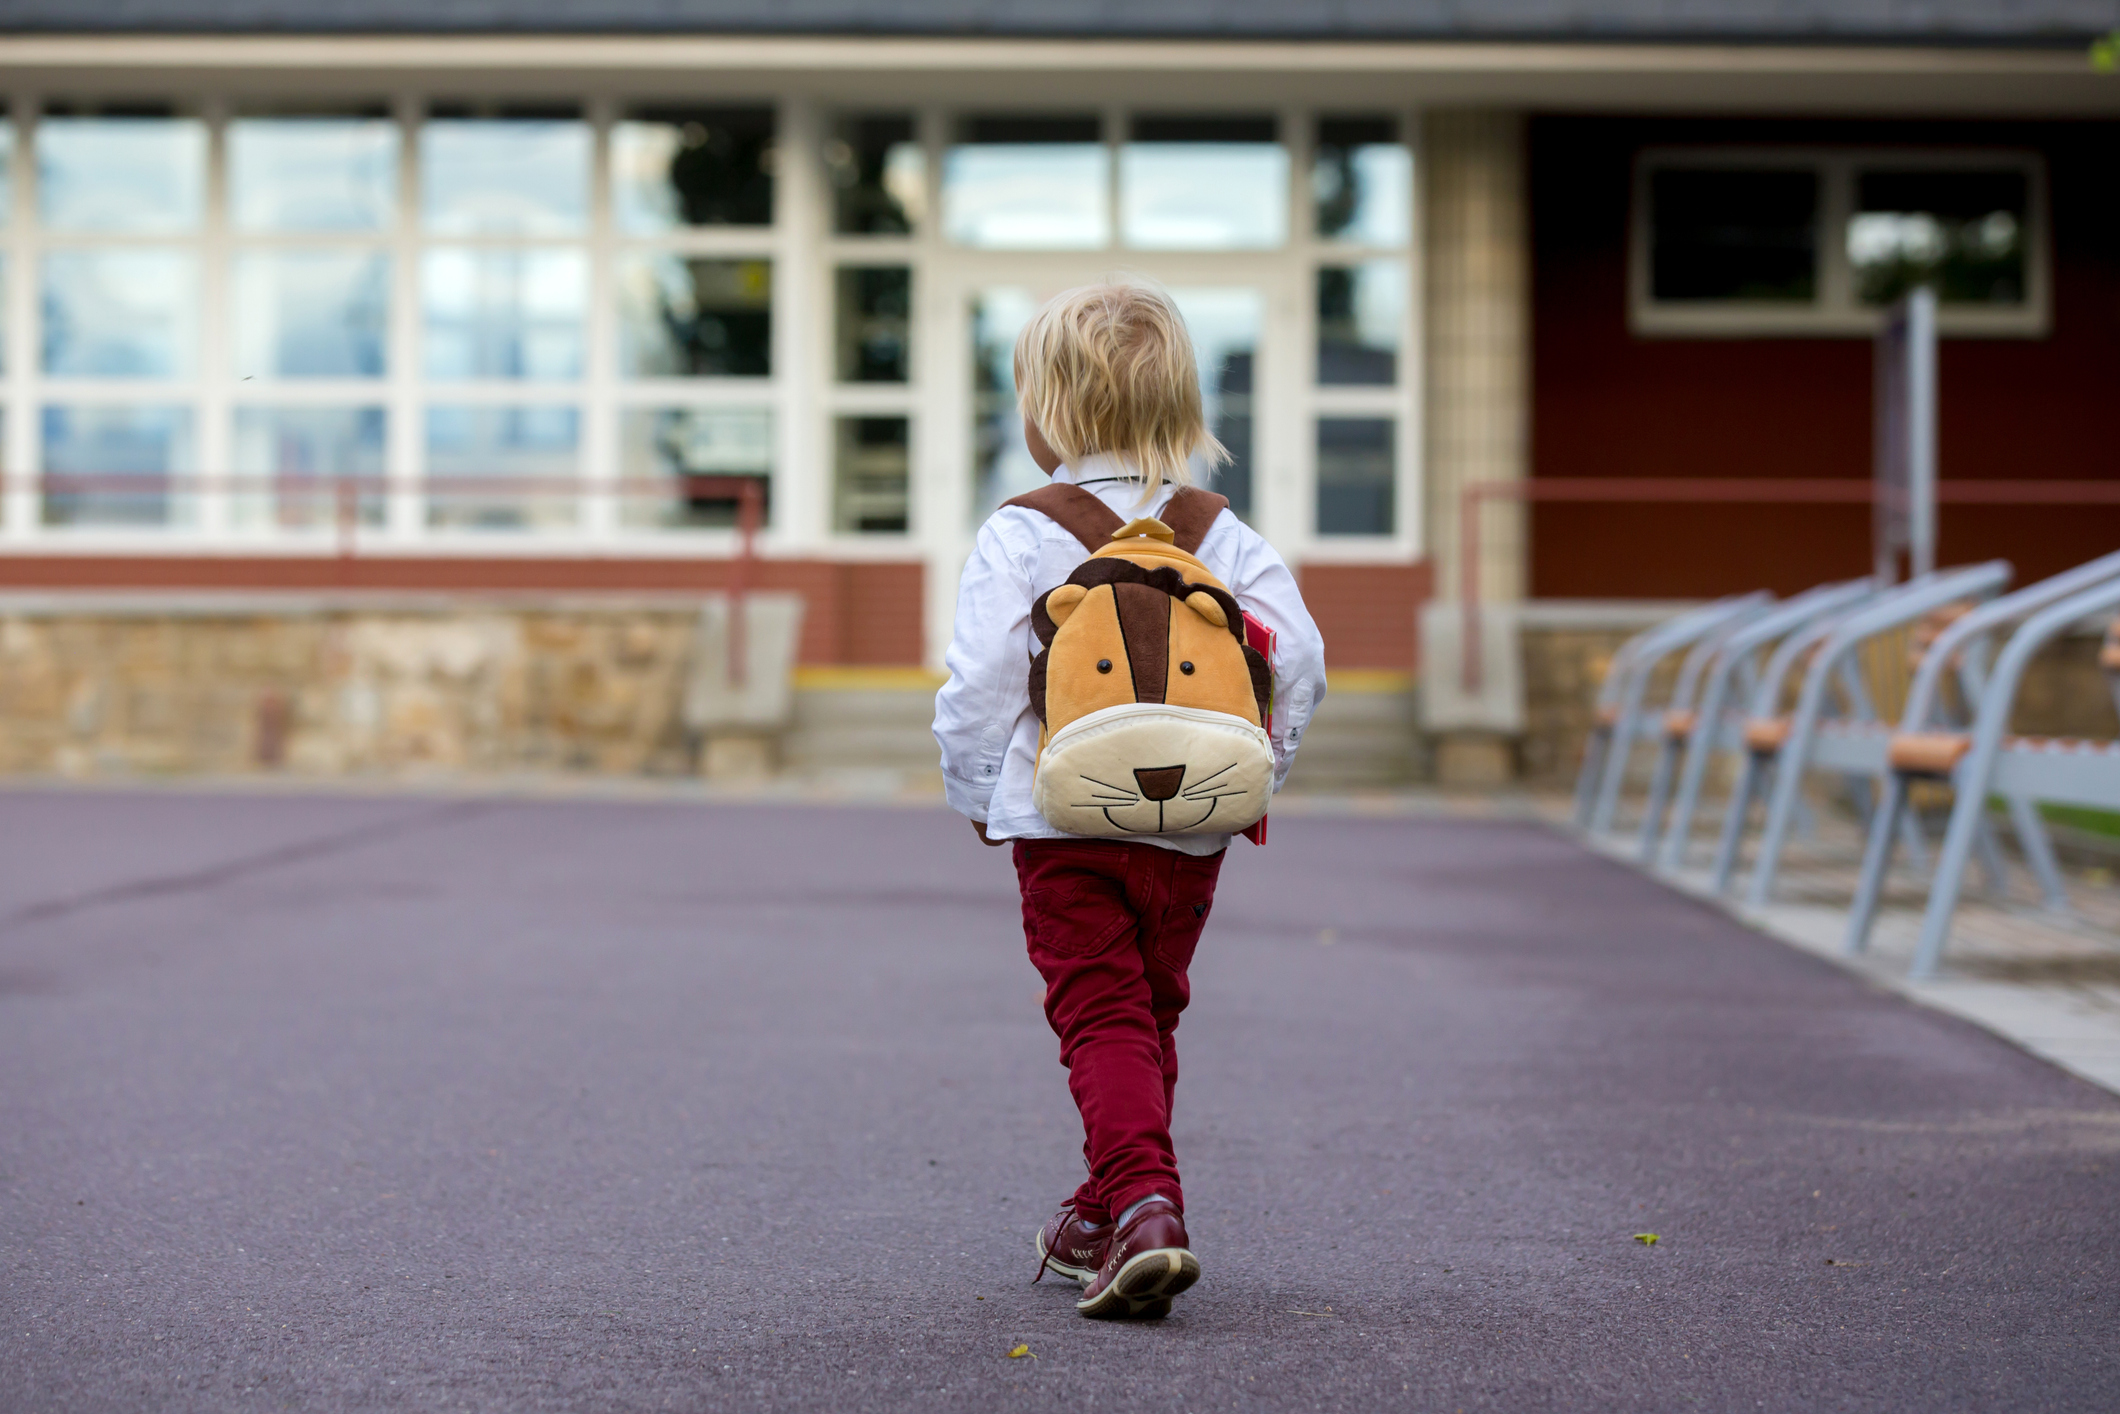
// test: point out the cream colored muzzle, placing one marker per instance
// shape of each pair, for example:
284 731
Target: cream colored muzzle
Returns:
1147 768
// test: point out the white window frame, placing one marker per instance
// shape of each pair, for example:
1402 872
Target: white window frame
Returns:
1835 311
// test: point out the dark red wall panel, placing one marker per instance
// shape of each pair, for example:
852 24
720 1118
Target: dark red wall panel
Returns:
1606 403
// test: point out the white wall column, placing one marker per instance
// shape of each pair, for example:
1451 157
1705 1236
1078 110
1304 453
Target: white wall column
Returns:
1478 423
1479 339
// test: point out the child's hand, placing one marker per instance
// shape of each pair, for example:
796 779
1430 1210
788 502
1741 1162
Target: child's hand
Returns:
979 828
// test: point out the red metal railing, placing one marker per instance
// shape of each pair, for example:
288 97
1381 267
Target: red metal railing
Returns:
346 493
1715 490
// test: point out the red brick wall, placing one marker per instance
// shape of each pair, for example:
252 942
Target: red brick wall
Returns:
857 611
1606 403
1369 614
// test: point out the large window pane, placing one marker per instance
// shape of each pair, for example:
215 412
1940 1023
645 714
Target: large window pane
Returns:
504 313
1203 184
306 451
1748 234
1027 184
1361 180
504 176
1001 464
312 174
689 318
1962 232
878 174
662 446
311 313
120 173
1361 309
871 474
1356 476
122 457
513 448
1225 327
120 313
873 324
677 167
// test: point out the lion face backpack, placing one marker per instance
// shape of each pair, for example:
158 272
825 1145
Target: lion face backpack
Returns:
1153 706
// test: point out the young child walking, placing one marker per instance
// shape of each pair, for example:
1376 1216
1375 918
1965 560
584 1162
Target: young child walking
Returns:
1117 781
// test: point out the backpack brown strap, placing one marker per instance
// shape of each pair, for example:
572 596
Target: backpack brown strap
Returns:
1190 514
1076 511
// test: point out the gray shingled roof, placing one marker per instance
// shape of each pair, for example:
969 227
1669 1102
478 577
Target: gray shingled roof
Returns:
1810 21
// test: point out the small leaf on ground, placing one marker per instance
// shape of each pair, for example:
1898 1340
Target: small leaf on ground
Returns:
1647 1239
1019 1352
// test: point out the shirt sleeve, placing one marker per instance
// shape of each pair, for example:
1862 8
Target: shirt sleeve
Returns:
989 666
1266 587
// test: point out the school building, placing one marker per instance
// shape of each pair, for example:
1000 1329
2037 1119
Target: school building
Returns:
314 301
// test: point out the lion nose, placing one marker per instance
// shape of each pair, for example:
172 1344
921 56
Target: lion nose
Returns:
1160 782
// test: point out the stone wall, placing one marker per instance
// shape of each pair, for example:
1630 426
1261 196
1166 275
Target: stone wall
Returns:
338 689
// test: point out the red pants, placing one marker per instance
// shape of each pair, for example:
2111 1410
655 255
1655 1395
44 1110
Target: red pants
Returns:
1112 928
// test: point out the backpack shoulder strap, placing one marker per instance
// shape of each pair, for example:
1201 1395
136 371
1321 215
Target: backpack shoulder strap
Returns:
1078 512
1190 513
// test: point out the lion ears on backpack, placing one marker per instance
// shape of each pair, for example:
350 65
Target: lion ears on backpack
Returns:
1211 602
1064 600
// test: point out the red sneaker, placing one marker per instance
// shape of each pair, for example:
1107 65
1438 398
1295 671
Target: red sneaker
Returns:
1070 1246
1147 1265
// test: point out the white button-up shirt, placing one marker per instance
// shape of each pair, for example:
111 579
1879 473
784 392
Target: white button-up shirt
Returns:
983 717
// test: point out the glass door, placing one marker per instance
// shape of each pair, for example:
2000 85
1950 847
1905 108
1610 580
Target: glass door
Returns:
1229 318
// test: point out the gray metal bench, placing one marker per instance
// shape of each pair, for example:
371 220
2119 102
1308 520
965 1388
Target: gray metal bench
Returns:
1695 733
1626 718
1925 747
1854 743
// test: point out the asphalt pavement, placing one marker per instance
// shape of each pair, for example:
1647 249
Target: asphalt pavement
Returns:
403 1103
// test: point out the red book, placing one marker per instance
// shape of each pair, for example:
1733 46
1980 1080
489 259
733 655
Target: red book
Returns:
1259 636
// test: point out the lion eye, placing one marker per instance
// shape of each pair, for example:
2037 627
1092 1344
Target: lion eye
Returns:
1104 665
1185 668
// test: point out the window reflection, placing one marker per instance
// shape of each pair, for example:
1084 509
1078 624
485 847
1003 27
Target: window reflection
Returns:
120 313
120 173
137 448
658 444
1962 232
1749 234
878 174
691 318
873 323
1001 464
504 176
303 449
504 313
1225 324
1356 476
312 173
1361 179
1027 184
871 474
1203 184
1360 311
677 167
311 313
516 446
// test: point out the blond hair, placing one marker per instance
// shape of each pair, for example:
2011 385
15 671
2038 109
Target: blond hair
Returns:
1109 368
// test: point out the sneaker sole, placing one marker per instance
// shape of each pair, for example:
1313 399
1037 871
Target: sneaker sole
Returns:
1144 1286
1081 1276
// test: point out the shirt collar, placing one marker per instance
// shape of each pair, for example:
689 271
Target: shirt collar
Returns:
1100 466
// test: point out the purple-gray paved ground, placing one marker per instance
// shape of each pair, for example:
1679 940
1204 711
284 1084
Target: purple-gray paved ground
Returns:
321 1104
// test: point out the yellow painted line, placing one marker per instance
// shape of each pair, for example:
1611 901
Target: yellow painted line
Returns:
837 678
1367 680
